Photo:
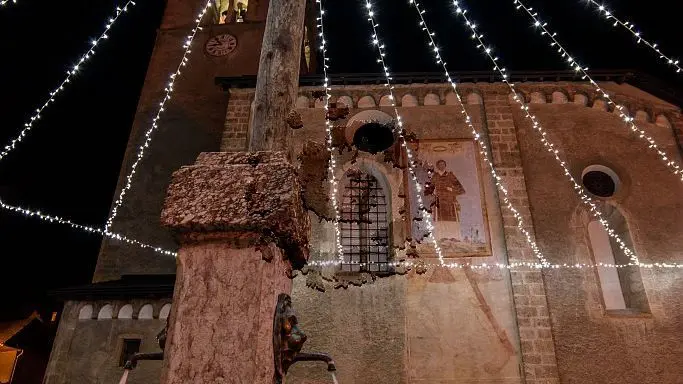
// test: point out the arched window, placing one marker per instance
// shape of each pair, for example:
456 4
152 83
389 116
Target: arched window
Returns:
364 224
85 313
165 311
622 288
146 312
126 312
105 313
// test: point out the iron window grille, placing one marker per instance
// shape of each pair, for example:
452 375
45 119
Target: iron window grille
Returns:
364 225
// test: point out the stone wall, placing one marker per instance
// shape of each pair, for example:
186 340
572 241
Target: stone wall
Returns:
443 326
594 345
193 122
452 326
87 351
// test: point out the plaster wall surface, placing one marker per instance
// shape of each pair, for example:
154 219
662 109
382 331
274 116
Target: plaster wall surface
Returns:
595 346
193 122
443 326
87 351
446 326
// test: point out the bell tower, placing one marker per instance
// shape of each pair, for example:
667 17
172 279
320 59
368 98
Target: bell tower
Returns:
194 121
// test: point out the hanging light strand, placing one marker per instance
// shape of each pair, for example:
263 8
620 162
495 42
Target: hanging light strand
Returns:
542 27
549 146
398 130
478 136
609 16
4 2
83 228
155 122
511 266
332 165
70 73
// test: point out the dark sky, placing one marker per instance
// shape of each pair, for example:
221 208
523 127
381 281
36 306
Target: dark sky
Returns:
69 164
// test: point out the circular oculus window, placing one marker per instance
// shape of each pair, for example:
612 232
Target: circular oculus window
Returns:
600 181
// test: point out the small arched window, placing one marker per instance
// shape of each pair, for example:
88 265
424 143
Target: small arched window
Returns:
106 312
146 312
622 288
126 312
165 311
364 224
85 313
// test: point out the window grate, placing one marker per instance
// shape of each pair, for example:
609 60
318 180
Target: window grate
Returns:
364 225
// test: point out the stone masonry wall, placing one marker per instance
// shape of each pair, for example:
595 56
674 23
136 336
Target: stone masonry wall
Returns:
531 307
87 351
592 344
237 118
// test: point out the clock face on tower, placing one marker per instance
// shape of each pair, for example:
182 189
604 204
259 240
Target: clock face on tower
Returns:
221 45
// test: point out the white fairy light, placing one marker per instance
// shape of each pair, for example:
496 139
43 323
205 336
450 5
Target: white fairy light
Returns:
609 16
669 161
332 166
549 146
398 130
489 266
155 122
3 2
478 136
70 73
84 228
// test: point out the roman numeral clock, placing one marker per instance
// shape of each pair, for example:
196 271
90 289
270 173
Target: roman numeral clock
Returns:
221 45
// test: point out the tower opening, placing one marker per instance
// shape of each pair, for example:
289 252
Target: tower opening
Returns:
373 137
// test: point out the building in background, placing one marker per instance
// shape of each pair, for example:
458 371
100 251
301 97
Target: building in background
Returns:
385 324
25 345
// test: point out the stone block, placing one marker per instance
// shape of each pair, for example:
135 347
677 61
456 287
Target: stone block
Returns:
228 195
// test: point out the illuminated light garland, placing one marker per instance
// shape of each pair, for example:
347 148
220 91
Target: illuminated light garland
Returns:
512 266
398 130
673 166
155 122
3 2
332 166
634 31
72 72
478 137
84 228
550 147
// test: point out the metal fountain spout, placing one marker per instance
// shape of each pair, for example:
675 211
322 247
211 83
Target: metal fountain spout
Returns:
288 339
324 357
161 339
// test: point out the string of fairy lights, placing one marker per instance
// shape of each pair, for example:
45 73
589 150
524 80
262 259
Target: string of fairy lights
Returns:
5 2
174 76
155 122
332 166
511 266
70 73
630 27
426 216
549 146
398 130
542 27
478 136
56 219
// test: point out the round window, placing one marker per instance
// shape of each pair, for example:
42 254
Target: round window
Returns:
373 138
600 181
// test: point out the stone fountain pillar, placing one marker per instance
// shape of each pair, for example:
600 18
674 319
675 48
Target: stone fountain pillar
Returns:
241 225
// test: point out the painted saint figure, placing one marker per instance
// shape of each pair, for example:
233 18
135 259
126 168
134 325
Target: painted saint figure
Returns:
447 188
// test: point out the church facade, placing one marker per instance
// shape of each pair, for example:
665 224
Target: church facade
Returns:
384 321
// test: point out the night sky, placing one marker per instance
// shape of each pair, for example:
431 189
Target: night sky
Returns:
69 164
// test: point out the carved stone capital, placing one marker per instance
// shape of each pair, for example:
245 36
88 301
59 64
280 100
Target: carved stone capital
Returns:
239 195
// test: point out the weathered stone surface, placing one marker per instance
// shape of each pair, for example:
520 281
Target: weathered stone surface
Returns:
221 328
236 193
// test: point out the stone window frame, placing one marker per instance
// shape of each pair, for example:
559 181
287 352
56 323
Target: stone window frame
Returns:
628 311
120 340
368 163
